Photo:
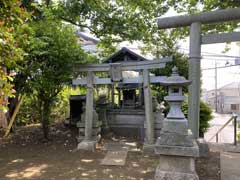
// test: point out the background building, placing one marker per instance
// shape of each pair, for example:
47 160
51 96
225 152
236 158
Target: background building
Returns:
228 98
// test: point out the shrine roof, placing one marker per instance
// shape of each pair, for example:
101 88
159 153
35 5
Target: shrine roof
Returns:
126 55
123 86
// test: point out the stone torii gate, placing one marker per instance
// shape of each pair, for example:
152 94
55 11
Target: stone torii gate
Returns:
115 70
195 21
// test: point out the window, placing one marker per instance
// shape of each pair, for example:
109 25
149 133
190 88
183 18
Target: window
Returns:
234 107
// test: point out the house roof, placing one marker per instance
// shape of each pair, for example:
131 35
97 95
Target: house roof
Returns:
124 54
234 85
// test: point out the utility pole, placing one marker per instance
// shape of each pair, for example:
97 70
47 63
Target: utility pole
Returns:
216 95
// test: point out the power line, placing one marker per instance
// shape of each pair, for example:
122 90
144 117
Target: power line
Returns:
214 54
221 67
222 56
218 59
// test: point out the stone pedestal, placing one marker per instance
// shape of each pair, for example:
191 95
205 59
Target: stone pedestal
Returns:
176 168
88 145
89 142
203 147
177 157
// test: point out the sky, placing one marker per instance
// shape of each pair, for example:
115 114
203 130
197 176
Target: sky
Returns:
224 75
209 56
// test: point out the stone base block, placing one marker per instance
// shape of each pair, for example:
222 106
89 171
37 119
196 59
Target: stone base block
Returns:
174 139
203 147
87 145
178 150
166 175
176 168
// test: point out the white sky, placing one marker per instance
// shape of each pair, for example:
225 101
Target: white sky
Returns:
224 75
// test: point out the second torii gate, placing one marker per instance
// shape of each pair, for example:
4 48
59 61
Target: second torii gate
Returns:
115 70
195 21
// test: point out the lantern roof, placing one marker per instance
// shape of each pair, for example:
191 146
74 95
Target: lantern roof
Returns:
175 79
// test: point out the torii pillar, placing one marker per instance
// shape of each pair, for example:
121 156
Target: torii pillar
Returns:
195 21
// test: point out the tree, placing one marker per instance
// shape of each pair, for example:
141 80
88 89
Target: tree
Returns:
132 20
50 61
13 20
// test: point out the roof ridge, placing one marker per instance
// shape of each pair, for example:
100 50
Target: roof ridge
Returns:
124 50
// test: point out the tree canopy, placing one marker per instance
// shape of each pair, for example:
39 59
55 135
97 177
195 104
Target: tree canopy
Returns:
52 55
131 20
13 21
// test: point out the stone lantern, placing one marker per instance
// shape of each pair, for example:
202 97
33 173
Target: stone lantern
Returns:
175 145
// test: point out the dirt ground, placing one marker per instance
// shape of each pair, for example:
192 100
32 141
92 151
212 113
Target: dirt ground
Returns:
25 156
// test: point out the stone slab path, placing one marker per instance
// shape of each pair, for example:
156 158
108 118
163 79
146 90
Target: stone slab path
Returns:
117 146
115 158
230 166
117 152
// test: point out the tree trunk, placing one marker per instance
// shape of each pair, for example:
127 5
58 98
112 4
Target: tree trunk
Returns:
11 107
45 117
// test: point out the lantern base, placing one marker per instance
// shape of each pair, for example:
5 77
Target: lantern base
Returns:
163 175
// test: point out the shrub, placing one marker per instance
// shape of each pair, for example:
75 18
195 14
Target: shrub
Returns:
205 116
29 113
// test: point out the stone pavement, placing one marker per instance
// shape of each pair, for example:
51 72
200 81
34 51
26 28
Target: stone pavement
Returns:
229 159
230 166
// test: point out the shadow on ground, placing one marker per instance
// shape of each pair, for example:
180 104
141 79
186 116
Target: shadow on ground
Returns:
25 156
